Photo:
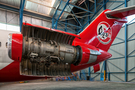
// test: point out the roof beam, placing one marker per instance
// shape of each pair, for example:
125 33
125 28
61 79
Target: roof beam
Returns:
52 7
25 12
30 13
79 7
92 1
55 24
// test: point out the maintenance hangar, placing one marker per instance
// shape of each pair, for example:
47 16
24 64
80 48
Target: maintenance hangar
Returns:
73 16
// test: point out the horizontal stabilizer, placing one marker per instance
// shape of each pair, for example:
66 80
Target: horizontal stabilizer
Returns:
121 13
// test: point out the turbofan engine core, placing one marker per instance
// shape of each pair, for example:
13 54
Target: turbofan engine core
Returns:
40 57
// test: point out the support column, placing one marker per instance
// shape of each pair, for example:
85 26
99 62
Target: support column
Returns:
126 63
105 62
95 4
22 3
89 23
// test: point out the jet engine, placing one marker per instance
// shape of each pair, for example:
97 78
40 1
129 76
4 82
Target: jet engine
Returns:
42 51
44 55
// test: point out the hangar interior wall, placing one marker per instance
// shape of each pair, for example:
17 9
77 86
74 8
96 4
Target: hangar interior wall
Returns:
12 18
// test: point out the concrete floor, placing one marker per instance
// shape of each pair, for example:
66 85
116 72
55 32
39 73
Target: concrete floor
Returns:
67 85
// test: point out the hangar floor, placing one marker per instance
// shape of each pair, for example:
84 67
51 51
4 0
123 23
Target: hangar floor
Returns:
67 85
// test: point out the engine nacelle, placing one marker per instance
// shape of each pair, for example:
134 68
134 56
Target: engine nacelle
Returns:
41 57
89 55
36 50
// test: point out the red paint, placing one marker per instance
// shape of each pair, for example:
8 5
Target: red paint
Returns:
89 34
104 56
16 47
85 55
96 68
11 73
90 38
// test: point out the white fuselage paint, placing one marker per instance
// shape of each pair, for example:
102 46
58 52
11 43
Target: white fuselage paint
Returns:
4 58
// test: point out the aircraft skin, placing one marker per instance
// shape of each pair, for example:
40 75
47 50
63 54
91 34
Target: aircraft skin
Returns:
98 36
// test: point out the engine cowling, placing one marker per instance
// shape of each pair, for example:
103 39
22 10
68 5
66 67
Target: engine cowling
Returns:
15 46
35 48
41 57
89 55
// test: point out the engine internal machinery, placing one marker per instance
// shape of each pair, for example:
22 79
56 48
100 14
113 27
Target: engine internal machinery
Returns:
43 52
48 58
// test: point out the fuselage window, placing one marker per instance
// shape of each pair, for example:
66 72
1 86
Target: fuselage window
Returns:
0 44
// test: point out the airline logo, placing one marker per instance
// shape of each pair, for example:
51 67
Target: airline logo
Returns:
104 32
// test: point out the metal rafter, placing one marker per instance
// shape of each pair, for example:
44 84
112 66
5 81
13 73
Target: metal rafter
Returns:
52 7
79 7
25 12
97 10
55 24
75 16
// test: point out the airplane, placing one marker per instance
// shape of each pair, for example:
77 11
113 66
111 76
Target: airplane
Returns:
40 52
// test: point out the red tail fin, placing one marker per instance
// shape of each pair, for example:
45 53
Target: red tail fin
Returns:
102 31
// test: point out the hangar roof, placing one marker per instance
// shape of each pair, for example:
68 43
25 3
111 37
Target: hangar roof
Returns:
46 9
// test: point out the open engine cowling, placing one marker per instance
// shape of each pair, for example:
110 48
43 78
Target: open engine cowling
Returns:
40 57
44 51
35 50
52 58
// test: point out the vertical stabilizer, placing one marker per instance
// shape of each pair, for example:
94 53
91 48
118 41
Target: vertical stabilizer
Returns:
102 31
